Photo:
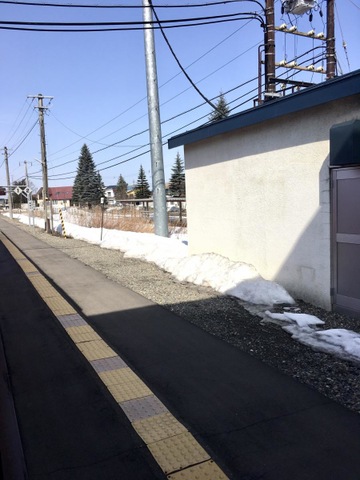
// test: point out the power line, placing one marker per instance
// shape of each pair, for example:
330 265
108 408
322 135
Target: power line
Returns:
125 26
144 131
59 176
98 7
15 122
25 137
142 146
357 6
144 98
125 111
179 64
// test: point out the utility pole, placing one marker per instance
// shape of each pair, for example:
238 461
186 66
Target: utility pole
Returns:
157 164
295 7
41 109
28 195
330 40
8 182
269 42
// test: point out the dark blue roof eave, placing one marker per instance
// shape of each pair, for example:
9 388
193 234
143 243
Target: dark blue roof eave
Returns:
334 89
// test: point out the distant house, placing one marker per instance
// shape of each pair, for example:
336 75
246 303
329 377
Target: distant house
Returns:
283 182
110 194
61 197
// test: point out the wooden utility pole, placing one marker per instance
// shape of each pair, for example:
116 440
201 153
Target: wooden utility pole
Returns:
269 47
269 42
330 41
9 192
27 193
45 194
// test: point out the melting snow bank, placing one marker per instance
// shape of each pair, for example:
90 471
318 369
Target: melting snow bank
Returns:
302 327
209 269
223 275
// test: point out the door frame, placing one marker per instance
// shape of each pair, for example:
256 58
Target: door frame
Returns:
339 302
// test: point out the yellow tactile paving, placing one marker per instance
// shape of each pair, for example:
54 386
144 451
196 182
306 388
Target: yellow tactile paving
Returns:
96 349
177 453
158 428
43 287
27 266
129 391
204 471
124 384
59 306
82 333
11 247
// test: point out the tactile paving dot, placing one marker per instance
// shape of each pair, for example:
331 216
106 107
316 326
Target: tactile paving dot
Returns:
124 384
105 364
95 349
144 407
58 305
44 288
203 471
158 427
82 333
178 452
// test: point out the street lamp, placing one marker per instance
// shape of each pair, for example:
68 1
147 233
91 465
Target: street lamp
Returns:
102 203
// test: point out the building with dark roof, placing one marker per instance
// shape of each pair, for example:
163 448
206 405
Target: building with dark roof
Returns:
276 186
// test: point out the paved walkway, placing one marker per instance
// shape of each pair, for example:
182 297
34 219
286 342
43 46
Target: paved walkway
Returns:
107 385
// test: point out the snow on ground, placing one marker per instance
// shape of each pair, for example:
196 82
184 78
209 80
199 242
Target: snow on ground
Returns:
303 328
223 275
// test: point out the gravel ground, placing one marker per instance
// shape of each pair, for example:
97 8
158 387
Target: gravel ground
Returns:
226 318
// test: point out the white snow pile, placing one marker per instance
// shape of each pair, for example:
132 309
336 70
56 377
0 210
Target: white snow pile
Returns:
171 254
303 328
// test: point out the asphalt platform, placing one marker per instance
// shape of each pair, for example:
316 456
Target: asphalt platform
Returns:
99 383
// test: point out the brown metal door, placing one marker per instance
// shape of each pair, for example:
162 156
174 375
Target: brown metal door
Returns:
346 240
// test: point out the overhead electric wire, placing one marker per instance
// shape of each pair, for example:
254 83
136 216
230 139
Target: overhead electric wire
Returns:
122 29
179 64
137 148
57 176
144 98
69 5
143 146
139 133
23 140
75 133
343 39
353 3
144 131
15 121
184 126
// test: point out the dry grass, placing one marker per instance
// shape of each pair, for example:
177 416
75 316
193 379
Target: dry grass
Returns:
127 219
112 220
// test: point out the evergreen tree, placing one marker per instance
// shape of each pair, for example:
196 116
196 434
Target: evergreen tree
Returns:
222 109
88 186
142 189
177 180
121 189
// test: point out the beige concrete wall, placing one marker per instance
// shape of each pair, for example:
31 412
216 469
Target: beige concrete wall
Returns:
261 195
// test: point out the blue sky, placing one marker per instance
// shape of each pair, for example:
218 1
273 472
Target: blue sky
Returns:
99 86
